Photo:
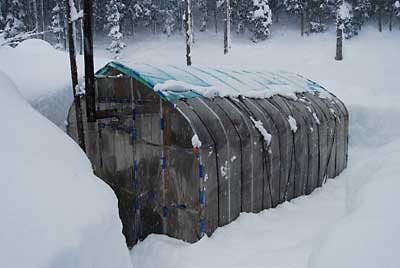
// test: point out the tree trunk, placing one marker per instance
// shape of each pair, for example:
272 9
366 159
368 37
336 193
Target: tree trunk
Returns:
35 15
74 77
187 25
339 32
88 57
204 19
215 17
302 23
191 23
391 19
42 17
380 18
80 30
227 26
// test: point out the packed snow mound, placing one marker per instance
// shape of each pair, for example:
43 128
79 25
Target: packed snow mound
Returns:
37 68
40 47
54 211
43 76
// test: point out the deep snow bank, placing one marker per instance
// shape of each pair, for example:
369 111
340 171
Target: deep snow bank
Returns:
368 236
54 211
43 76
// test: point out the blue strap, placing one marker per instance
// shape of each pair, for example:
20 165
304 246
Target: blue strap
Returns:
180 206
163 163
202 226
201 171
164 211
161 123
133 131
134 114
201 197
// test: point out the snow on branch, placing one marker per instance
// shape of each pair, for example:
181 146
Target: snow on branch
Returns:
14 41
75 15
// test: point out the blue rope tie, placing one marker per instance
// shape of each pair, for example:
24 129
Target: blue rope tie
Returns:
161 123
164 211
201 197
202 226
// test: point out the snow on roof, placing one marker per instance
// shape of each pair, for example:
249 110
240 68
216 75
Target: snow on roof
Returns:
177 82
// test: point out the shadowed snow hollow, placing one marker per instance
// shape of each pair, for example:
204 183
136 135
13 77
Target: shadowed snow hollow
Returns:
54 211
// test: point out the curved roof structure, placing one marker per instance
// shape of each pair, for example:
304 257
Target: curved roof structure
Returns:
187 149
184 82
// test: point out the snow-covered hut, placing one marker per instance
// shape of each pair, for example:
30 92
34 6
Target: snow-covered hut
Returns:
186 149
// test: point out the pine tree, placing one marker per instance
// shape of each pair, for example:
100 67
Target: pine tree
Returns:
240 15
203 8
276 6
261 20
169 11
152 14
135 11
113 14
14 19
296 7
319 12
56 27
2 16
350 26
396 9
99 11
361 12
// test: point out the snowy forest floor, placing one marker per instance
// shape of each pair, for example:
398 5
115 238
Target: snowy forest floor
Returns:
350 222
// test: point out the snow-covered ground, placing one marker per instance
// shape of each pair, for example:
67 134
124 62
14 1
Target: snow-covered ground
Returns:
351 222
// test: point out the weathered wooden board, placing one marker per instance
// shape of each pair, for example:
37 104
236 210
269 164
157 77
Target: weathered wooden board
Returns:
312 124
289 153
275 120
258 115
210 173
252 187
227 146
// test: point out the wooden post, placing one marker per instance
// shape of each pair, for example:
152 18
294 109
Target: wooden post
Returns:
227 26
74 77
339 31
88 57
187 25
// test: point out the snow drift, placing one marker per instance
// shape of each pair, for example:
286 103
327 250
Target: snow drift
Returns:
43 76
54 211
